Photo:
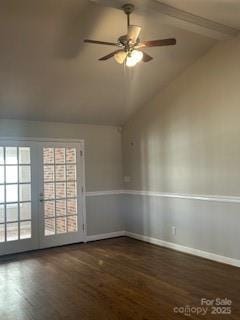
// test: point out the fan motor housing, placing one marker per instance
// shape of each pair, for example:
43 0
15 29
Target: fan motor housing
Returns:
128 8
124 41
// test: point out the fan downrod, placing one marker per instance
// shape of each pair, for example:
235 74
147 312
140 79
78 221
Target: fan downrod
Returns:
128 9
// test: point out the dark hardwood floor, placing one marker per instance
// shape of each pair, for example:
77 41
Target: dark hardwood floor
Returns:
112 279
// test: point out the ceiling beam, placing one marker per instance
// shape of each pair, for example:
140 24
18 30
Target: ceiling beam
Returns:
177 17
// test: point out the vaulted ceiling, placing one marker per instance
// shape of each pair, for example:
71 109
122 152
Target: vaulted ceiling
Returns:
226 12
48 73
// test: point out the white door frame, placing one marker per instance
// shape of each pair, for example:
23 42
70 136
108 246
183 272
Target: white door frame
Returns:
14 140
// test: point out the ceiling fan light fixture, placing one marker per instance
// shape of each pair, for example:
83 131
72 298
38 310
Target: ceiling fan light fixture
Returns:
129 45
133 58
120 56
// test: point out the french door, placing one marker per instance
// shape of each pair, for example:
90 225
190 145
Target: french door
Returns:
41 194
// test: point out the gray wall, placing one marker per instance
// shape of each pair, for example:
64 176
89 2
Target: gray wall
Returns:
103 162
105 214
186 140
205 225
103 152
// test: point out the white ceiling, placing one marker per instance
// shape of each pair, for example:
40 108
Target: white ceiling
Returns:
47 73
222 11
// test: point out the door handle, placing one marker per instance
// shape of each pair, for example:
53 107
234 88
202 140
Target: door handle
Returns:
41 199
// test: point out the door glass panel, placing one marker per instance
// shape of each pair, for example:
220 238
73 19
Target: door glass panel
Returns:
2 194
48 173
1 155
25 192
2 174
25 230
12 193
24 155
70 155
60 168
60 190
24 174
12 231
61 225
49 209
71 206
48 155
2 213
71 190
72 224
49 225
11 155
15 193
59 155
2 232
71 173
61 207
49 191
60 173
11 174
12 212
25 211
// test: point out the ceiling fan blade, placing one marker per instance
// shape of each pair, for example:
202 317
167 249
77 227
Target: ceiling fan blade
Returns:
101 42
158 43
110 55
133 33
146 57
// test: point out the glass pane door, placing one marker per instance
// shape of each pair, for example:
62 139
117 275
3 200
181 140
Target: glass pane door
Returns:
61 194
16 203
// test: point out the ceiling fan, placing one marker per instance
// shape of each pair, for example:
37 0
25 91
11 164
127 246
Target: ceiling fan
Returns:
130 47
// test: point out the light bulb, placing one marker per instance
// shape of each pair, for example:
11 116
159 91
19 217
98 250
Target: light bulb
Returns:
134 57
120 56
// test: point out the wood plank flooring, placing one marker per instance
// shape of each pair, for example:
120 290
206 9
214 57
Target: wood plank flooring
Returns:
112 279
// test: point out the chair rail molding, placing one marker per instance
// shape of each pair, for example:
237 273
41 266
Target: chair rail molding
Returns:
188 196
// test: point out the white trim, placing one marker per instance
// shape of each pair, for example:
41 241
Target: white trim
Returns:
216 198
178 18
104 193
202 197
166 244
84 210
109 235
178 247
195 23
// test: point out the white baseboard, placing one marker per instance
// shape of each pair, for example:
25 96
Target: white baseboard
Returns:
171 245
177 247
102 236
